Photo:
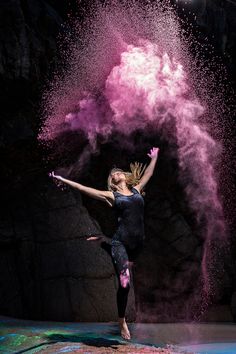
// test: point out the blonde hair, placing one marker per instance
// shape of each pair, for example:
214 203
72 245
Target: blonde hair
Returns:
132 178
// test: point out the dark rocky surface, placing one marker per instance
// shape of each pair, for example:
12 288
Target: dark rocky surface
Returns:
48 270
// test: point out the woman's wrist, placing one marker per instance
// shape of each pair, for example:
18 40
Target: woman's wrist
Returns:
154 158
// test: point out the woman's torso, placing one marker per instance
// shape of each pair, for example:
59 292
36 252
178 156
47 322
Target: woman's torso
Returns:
130 213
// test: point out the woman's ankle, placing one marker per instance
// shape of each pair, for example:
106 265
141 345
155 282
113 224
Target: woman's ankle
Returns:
121 319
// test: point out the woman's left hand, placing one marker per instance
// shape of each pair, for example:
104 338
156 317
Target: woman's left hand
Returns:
153 152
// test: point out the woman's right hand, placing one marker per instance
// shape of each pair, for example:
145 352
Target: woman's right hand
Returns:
57 179
51 174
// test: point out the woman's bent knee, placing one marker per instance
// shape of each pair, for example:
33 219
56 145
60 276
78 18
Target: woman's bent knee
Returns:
125 278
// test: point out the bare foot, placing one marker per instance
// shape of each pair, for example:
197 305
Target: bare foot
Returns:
93 238
96 238
124 330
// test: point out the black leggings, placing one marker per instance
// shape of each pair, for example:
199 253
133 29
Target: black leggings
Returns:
121 255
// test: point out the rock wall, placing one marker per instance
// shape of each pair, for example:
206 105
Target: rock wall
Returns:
48 268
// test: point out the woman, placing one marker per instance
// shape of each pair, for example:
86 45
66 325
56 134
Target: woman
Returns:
128 239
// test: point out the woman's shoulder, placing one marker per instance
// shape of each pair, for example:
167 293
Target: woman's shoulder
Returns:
136 189
110 194
110 198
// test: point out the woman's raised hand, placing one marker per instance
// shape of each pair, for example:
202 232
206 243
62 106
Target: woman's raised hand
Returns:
153 152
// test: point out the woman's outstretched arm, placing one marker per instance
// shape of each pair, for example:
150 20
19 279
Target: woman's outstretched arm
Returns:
149 170
106 196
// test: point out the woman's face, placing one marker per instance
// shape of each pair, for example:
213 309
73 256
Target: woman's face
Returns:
117 176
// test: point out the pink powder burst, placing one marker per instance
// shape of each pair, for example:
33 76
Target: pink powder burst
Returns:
145 81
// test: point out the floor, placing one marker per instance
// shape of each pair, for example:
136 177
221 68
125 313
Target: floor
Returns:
26 336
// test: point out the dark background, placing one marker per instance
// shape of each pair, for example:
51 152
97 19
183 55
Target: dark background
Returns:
47 269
